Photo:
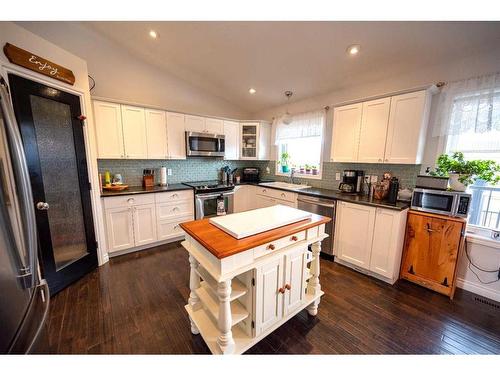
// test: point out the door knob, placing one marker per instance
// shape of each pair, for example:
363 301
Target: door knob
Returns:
42 206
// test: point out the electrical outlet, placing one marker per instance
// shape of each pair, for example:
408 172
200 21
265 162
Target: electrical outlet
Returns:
169 172
373 179
337 176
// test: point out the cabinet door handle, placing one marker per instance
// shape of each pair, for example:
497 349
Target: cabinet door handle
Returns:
294 238
271 247
281 290
386 159
288 286
379 159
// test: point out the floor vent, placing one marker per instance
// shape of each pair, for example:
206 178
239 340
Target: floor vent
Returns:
487 302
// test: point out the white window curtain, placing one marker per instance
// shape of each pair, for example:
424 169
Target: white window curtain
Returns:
471 105
308 124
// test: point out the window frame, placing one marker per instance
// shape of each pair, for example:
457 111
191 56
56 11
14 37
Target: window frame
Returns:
318 176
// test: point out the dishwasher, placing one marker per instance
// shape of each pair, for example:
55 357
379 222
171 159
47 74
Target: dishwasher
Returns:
324 207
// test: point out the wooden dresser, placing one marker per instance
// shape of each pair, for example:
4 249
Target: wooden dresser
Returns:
431 251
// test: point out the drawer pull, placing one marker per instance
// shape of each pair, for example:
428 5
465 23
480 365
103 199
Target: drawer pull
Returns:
294 238
281 290
175 209
264 190
283 195
288 286
271 247
176 226
130 200
175 195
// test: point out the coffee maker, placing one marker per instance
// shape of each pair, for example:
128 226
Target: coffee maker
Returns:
352 181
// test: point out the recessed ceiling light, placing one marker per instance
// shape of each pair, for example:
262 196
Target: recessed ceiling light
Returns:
354 49
153 34
252 90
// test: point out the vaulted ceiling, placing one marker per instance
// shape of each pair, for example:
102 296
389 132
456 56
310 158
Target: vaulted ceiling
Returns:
309 58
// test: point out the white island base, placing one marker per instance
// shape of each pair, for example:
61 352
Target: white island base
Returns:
238 300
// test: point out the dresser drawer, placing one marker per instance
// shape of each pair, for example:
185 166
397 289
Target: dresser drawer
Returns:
174 209
171 228
278 194
272 246
173 196
128 200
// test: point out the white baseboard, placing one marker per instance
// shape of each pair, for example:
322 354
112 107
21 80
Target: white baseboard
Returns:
479 289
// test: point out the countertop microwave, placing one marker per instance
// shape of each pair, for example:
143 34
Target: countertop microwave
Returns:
450 203
205 144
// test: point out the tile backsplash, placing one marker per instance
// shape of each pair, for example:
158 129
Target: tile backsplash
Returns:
200 169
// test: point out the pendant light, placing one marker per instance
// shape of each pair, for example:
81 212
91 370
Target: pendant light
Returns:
287 117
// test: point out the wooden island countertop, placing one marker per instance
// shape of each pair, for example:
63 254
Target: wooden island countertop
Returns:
222 245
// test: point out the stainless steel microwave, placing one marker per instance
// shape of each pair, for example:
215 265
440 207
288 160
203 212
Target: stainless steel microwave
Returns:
205 144
451 203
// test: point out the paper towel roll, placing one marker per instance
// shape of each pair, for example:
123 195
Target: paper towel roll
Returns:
163 176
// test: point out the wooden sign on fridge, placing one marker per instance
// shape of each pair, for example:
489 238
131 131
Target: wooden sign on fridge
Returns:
38 64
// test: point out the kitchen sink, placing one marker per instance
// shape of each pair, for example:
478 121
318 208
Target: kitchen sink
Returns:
285 185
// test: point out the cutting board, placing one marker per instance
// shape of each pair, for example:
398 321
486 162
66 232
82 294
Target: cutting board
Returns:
248 223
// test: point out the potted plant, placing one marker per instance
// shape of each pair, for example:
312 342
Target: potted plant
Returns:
308 169
302 170
314 170
463 172
285 157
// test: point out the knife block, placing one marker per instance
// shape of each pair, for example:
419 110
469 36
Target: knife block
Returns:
148 181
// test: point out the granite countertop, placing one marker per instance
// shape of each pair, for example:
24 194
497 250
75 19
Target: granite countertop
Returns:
338 195
143 190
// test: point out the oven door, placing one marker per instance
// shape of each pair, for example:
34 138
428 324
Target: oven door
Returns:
204 144
434 201
206 204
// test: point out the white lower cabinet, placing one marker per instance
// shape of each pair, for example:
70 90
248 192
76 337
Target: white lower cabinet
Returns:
145 219
388 238
281 286
120 228
370 238
354 233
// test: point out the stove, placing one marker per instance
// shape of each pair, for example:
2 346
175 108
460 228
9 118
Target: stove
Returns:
209 196
201 187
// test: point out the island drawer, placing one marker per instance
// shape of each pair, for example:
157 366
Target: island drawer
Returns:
128 200
269 247
173 196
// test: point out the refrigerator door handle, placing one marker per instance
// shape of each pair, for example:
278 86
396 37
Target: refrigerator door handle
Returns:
43 289
19 162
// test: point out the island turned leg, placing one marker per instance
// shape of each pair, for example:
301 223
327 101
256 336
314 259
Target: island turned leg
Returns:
314 287
194 283
225 340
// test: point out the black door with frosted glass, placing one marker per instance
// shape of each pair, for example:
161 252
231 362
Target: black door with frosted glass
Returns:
55 151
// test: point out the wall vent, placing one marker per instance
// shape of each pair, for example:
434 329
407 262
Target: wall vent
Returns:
487 302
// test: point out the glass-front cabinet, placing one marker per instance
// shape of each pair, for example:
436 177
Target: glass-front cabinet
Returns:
249 140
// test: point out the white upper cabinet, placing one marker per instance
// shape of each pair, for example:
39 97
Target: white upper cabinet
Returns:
374 121
264 141
134 132
345 136
407 128
195 124
109 132
176 136
214 126
387 130
156 130
232 140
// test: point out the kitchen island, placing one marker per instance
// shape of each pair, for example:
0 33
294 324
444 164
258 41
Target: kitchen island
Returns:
243 289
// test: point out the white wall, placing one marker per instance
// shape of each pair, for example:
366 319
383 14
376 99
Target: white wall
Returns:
12 33
120 75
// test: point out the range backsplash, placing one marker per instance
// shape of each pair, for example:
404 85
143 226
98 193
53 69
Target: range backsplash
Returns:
200 169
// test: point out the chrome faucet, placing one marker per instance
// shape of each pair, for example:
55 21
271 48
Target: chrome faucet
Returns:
292 172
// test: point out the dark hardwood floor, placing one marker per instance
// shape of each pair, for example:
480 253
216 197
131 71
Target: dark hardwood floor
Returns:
135 304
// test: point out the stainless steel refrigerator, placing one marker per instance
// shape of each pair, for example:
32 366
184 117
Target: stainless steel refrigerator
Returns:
24 296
